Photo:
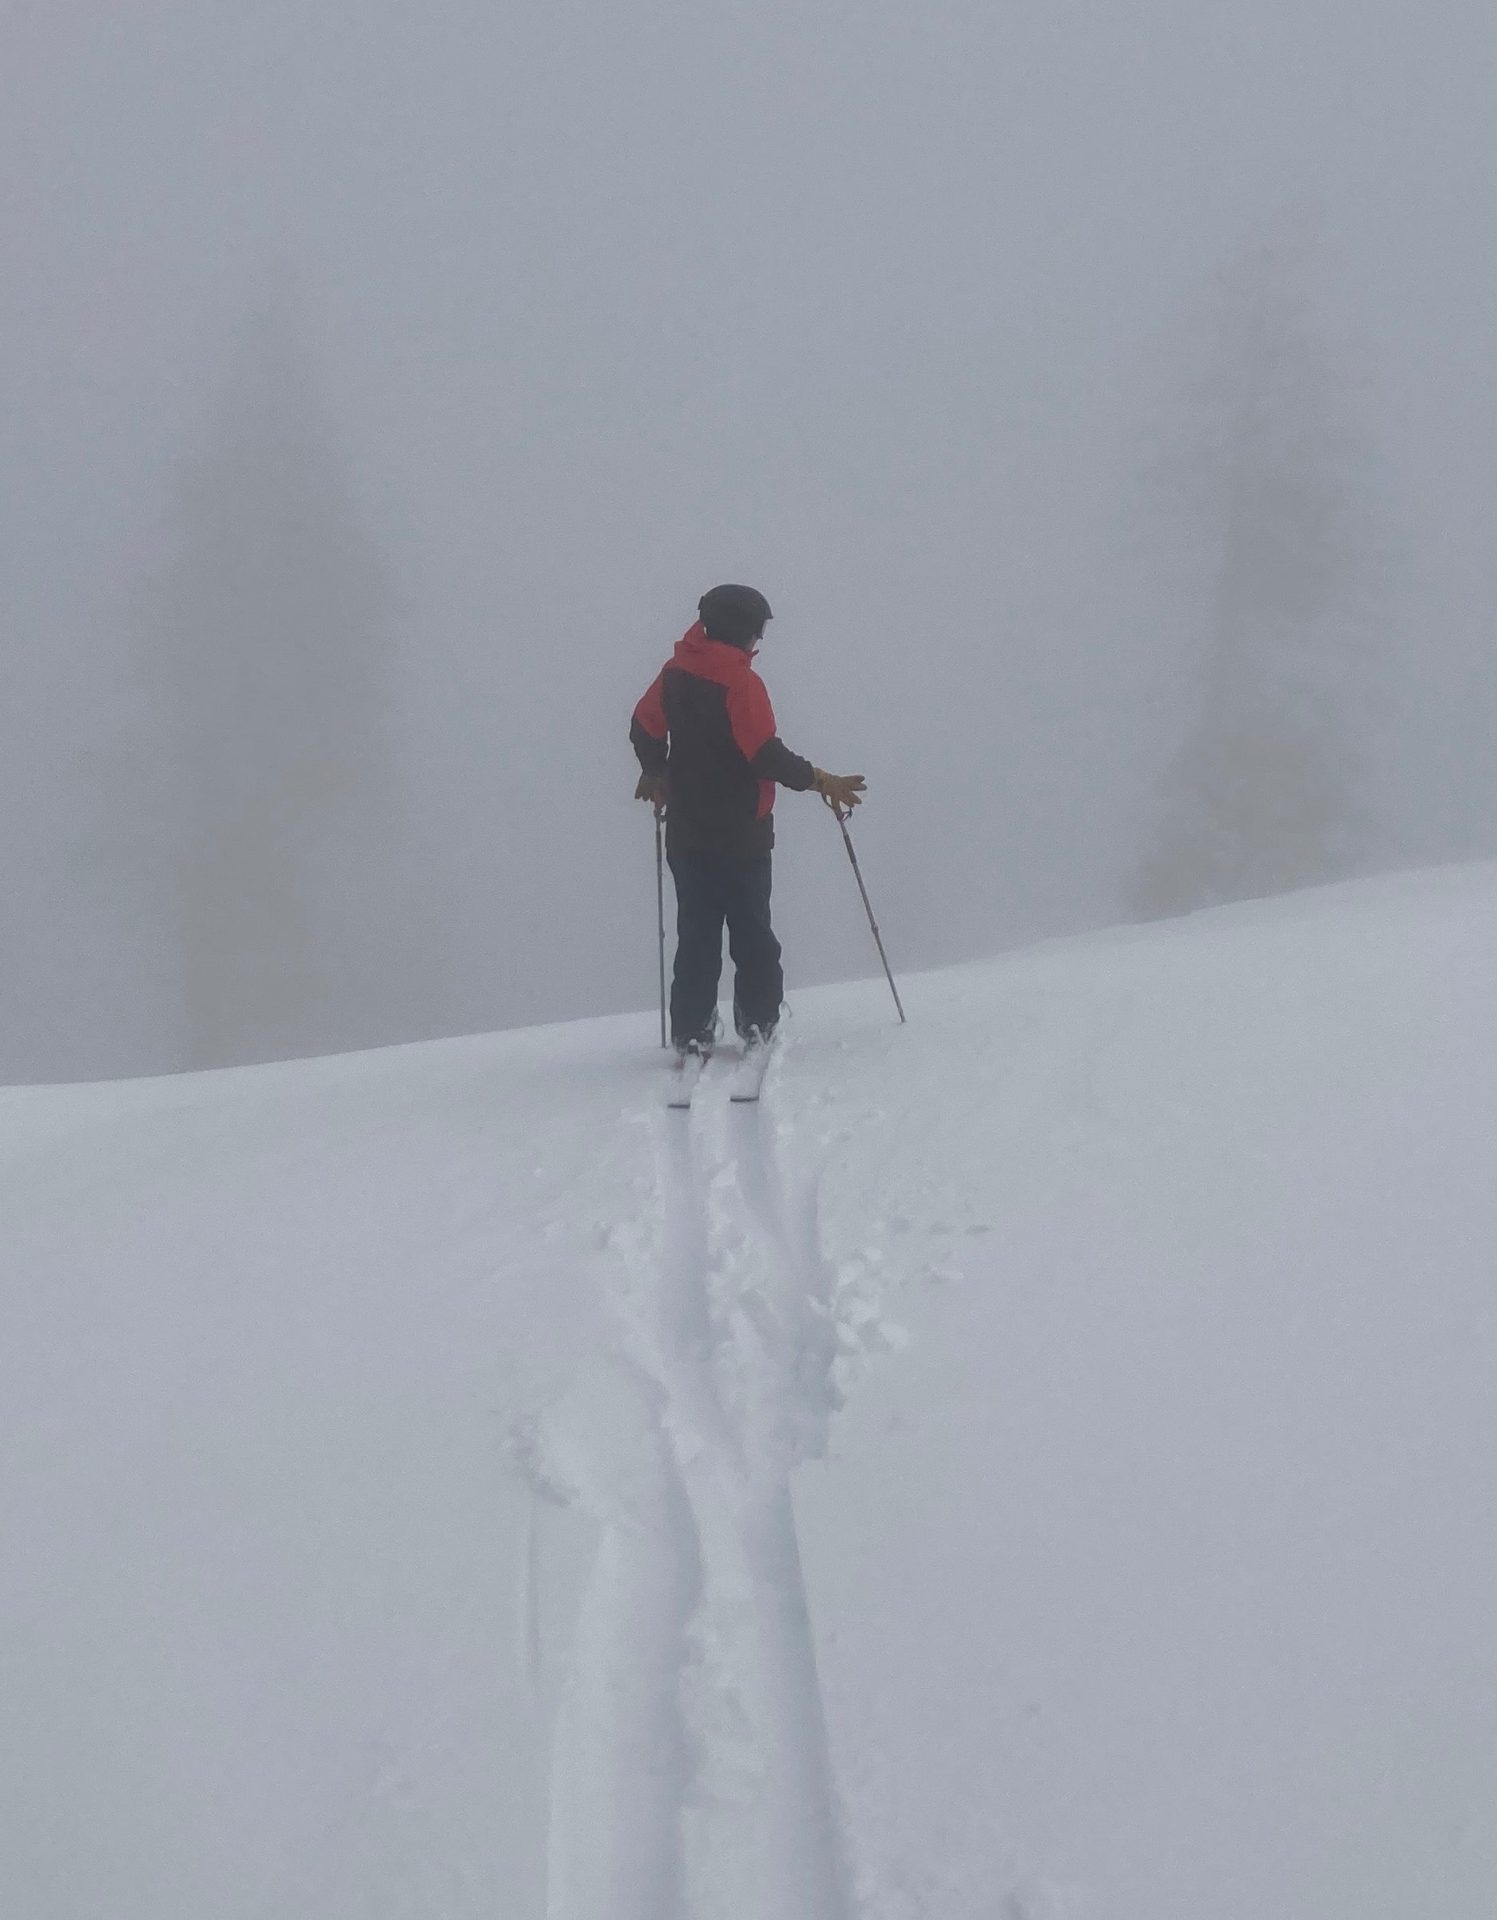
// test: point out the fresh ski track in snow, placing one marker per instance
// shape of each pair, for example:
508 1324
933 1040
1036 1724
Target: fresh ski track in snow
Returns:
692 1777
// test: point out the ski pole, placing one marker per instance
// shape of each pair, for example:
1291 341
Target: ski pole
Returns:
841 814
660 914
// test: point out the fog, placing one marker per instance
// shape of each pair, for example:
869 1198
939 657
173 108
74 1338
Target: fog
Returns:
1102 396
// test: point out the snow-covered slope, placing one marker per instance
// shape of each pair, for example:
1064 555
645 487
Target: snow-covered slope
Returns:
395 1492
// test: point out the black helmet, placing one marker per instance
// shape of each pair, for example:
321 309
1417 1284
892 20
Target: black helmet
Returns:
735 614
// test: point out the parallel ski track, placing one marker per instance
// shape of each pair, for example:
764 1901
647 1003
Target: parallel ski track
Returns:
743 1816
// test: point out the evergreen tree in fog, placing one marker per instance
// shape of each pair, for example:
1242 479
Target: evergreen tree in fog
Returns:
269 683
1267 792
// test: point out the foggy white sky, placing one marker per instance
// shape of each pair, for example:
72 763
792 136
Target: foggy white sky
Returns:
608 303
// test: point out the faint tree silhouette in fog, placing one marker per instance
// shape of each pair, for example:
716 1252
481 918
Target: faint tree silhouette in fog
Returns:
1266 791
269 684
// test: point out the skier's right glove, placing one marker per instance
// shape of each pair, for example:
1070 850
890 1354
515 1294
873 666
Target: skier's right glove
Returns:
843 791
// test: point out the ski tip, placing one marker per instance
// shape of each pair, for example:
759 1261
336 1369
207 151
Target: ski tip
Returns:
688 1072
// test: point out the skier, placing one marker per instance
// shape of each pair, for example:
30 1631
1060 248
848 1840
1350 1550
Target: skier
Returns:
705 737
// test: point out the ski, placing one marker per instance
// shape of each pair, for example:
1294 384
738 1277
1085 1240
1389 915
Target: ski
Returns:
686 1074
748 1075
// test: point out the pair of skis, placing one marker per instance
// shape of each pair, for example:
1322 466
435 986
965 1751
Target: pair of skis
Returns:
743 1089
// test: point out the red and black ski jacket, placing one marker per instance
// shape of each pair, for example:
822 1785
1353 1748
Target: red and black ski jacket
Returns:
706 724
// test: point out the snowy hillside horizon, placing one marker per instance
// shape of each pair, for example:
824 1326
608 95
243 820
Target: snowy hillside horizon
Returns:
1039 1464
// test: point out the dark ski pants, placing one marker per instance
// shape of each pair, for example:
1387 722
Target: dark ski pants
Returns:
711 889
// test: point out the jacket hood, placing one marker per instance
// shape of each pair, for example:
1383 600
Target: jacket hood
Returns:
696 648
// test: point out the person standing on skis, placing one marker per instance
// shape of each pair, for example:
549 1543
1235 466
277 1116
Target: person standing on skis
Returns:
704 735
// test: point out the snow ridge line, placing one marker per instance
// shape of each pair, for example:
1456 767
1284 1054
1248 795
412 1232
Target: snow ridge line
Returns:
692 1777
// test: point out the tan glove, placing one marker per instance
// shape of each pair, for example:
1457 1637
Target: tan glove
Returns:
843 791
652 788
